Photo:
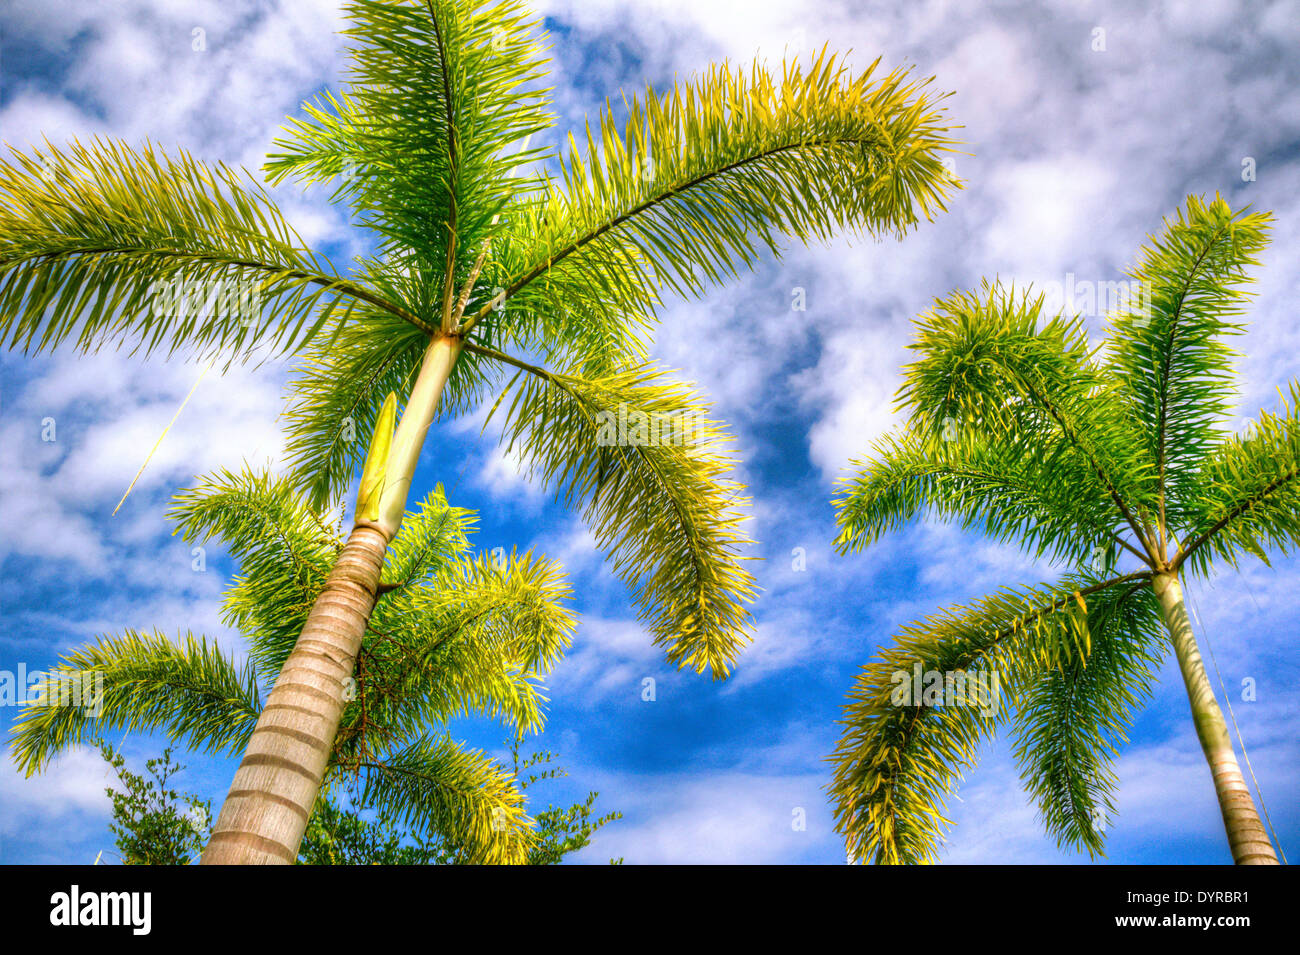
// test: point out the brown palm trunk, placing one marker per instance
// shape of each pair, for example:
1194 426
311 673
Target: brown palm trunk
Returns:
1246 836
275 788
265 813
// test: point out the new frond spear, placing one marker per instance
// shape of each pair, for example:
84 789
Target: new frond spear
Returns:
1019 427
493 284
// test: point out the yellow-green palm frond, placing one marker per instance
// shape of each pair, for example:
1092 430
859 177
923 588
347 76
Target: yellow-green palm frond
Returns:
1072 719
1015 490
902 752
187 689
285 551
991 362
477 639
1249 493
514 603
107 245
1168 347
701 179
430 539
639 457
439 93
437 787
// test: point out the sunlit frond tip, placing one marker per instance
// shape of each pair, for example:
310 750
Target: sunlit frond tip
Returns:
645 464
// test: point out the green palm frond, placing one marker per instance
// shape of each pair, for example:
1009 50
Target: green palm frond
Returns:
1249 493
700 180
477 640
1013 490
1071 720
1169 353
642 461
986 364
514 603
438 92
103 244
439 788
898 758
430 538
285 551
188 690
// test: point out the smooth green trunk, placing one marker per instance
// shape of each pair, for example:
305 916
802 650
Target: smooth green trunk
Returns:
1246 835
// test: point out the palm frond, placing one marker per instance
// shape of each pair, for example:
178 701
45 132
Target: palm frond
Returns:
431 538
441 789
1071 721
703 178
986 365
106 245
899 756
1168 348
476 640
439 90
1249 495
284 549
1014 490
642 461
188 690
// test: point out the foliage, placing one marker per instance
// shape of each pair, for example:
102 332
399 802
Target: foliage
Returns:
338 836
1018 425
453 634
92 236
148 823
562 254
478 237
150 829
559 831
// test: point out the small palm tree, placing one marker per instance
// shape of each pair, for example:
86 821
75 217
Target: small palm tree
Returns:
451 635
492 281
1019 428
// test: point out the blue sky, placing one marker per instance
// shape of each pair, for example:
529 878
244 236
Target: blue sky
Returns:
1077 154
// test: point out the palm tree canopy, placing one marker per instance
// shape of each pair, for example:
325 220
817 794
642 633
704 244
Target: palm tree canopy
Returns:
1017 425
548 264
454 634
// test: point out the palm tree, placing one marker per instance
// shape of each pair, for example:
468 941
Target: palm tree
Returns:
1019 427
452 634
492 280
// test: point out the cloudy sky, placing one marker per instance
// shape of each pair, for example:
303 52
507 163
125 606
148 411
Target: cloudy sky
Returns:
1085 123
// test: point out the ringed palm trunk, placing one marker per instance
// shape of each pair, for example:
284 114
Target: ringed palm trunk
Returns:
266 810
1247 839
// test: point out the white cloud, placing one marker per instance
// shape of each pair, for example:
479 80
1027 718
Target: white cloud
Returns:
609 659
70 791
719 818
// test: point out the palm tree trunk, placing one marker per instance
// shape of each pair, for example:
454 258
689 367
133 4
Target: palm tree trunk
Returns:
275 788
1247 839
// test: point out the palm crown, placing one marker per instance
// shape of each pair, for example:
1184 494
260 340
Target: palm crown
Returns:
493 283
476 241
453 634
1098 459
